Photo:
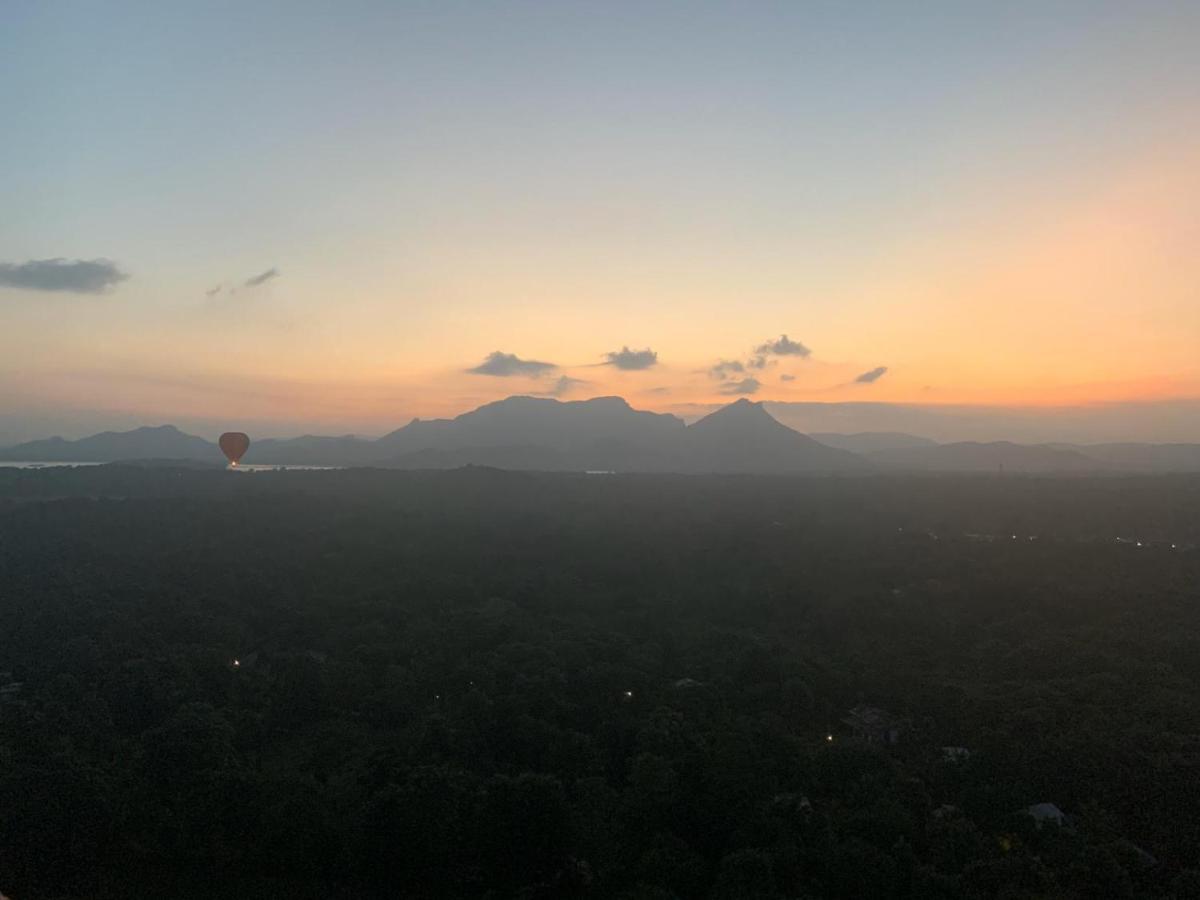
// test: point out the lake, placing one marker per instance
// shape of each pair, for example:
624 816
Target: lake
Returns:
245 467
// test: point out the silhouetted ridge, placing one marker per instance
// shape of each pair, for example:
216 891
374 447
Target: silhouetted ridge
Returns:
606 433
147 442
744 437
570 427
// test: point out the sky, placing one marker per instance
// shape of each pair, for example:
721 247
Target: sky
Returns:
299 217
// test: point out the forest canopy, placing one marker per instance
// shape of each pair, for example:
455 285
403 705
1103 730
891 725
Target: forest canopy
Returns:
471 683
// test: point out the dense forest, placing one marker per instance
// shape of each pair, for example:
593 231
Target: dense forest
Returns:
476 683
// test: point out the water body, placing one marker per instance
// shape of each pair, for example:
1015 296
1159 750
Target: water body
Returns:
51 464
267 467
35 464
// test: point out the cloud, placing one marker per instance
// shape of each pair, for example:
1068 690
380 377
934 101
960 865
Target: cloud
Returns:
787 377
745 386
783 347
564 385
632 360
76 276
261 277
758 362
213 291
505 365
872 376
724 367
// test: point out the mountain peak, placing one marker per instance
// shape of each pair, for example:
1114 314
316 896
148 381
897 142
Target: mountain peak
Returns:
743 437
744 403
614 401
742 412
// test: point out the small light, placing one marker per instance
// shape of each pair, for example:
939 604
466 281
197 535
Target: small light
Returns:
629 695
829 738
236 663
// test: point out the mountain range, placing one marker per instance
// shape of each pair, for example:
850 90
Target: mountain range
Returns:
606 434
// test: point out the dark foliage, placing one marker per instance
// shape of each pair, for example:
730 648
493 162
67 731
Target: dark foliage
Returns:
473 683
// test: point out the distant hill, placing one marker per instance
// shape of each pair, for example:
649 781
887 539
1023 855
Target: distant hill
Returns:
871 441
744 437
606 433
970 456
574 426
1143 457
539 433
163 442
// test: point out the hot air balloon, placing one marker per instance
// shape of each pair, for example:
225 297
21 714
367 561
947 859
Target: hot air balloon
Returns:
234 445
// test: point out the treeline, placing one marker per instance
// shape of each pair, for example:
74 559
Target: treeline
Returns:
474 683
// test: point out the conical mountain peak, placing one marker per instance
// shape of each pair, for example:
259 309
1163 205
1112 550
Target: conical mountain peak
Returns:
741 413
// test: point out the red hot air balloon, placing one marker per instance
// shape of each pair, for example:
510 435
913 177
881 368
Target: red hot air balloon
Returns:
234 445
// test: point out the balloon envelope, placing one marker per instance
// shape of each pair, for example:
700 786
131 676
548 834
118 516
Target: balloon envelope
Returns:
234 445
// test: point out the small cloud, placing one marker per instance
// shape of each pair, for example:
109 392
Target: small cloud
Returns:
262 277
659 391
872 376
787 377
759 362
632 360
213 291
745 386
564 385
76 276
783 347
505 365
724 367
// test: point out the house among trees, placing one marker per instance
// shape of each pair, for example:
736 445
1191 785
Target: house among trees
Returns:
1047 812
874 725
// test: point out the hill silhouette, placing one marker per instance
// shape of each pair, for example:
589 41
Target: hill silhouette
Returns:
161 442
606 433
744 437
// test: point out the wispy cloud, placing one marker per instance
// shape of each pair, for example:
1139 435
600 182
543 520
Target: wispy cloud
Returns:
744 386
725 367
564 385
786 377
632 360
261 277
506 365
75 276
872 376
785 346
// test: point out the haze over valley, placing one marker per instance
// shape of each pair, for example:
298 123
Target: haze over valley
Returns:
606 434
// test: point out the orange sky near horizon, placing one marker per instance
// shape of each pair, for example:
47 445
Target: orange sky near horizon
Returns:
1087 296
